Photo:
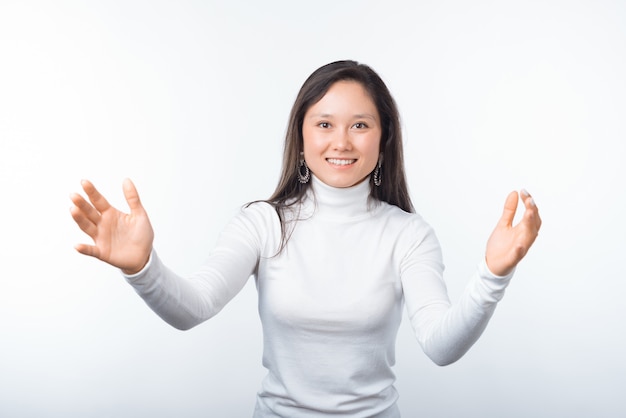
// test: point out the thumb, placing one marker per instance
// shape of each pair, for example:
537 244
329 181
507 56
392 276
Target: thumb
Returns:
90 250
510 207
132 197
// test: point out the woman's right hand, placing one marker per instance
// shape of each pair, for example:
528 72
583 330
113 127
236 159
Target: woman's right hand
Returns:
120 239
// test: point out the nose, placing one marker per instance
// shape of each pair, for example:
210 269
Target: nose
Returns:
341 140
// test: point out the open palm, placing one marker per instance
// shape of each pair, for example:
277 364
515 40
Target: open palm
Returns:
508 244
123 240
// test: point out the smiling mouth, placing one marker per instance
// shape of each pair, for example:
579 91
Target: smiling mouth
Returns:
338 161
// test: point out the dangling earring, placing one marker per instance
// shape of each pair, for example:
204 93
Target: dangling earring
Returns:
378 171
306 176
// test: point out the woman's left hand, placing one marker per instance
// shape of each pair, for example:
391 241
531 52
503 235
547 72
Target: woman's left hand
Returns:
508 244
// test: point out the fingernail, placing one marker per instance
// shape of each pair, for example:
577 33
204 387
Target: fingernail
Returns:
525 192
532 201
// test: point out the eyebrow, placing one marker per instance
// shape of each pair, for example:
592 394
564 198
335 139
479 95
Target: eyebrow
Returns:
356 116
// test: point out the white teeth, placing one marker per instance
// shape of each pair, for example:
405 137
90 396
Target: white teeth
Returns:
337 161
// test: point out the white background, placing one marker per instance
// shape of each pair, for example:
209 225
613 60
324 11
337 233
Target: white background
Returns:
190 99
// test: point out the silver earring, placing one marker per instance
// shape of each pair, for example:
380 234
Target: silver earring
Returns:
306 176
378 172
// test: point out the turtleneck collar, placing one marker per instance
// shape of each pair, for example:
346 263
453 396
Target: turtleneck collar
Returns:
340 203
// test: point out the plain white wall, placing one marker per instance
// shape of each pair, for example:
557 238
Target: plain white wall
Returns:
190 99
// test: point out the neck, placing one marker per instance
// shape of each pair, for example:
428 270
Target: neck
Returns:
339 202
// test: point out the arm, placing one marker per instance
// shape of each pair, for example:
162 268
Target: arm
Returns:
184 302
125 241
445 331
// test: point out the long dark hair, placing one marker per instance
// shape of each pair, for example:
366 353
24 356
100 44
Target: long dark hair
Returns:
393 188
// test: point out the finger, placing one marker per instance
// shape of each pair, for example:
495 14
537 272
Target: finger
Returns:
132 196
89 250
528 200
531 215
96 199
532 219
89 211
510 207
83 222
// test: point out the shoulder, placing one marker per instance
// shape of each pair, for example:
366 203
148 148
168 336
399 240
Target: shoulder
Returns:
257 217
260 213
406 220
258 207
256 225
412 231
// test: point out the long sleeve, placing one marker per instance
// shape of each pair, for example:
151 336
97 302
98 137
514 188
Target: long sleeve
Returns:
184 302
446 331
330 302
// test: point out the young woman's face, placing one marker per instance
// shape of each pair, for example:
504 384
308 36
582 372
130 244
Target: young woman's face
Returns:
342 135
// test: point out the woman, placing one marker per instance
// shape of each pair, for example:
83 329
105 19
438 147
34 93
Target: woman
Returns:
336 251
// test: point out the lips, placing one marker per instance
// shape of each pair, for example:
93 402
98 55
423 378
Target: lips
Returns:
341 161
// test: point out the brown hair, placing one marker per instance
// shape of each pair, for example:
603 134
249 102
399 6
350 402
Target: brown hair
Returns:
393 188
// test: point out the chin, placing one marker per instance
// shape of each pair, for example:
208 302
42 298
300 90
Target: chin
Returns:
342 183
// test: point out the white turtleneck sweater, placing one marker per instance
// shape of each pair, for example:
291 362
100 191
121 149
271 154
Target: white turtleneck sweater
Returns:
331 301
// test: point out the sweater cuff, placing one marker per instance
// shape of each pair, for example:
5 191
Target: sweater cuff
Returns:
488 274
142 272
490 287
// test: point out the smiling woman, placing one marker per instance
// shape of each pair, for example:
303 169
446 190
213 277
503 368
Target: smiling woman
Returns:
336 253
342 135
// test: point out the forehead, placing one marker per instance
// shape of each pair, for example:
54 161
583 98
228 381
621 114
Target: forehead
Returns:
345 96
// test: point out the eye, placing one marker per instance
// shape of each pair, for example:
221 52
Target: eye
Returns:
360 125
324 125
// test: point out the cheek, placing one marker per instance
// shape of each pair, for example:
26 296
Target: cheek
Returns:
312 142
372 147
